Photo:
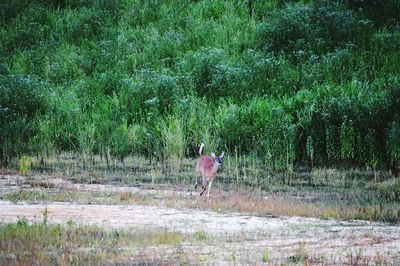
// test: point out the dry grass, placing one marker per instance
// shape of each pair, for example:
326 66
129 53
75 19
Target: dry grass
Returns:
280 205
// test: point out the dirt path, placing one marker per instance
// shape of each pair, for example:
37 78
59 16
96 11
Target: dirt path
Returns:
123 216
248 235
236 238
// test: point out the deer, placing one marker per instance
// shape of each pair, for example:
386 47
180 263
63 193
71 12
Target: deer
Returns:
208 167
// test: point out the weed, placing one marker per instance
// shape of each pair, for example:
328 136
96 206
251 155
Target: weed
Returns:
265 255
25 164
201 235
301 254
45 216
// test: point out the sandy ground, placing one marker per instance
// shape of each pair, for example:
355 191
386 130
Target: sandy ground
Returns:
249 235
241 238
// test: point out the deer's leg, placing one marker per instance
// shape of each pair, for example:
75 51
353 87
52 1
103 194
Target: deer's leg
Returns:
195 182
204 183
204 186
209 188
204 189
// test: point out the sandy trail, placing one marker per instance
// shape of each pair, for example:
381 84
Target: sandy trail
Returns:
249 235
123 216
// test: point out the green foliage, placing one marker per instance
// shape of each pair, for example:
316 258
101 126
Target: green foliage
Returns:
305 30
25 164
201 235
288 82
347 140
173 138
383 12
332 143
393 144
265 256
28 27
121 141
22 103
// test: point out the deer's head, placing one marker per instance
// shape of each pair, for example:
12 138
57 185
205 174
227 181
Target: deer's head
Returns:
218 159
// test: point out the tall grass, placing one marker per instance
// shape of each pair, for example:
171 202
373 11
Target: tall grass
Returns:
174 141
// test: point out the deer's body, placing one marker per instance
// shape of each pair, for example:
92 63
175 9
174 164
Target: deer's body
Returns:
208 167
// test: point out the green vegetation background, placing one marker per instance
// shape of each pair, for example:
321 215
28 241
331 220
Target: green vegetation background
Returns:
293 83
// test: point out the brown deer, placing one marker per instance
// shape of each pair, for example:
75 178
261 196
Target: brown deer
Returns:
208 166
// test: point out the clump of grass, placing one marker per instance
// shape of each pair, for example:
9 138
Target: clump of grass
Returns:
25 164
125 196
174 140
167 238
201 235
300 255
265 255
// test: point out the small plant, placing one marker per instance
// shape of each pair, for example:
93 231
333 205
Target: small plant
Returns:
265 255
201 235
25 164
301 254
45 216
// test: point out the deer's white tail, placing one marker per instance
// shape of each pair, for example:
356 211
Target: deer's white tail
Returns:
201 150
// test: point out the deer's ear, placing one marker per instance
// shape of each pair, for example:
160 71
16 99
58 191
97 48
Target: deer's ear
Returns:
213 155
222 155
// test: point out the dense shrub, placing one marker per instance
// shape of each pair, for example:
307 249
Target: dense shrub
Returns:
269 75
151 94
301 31
29 29
22 103
383 12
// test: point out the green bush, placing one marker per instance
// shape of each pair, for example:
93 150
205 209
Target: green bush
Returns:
382 12
25 164
304 30
152 93
28 30
268 75
22 102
